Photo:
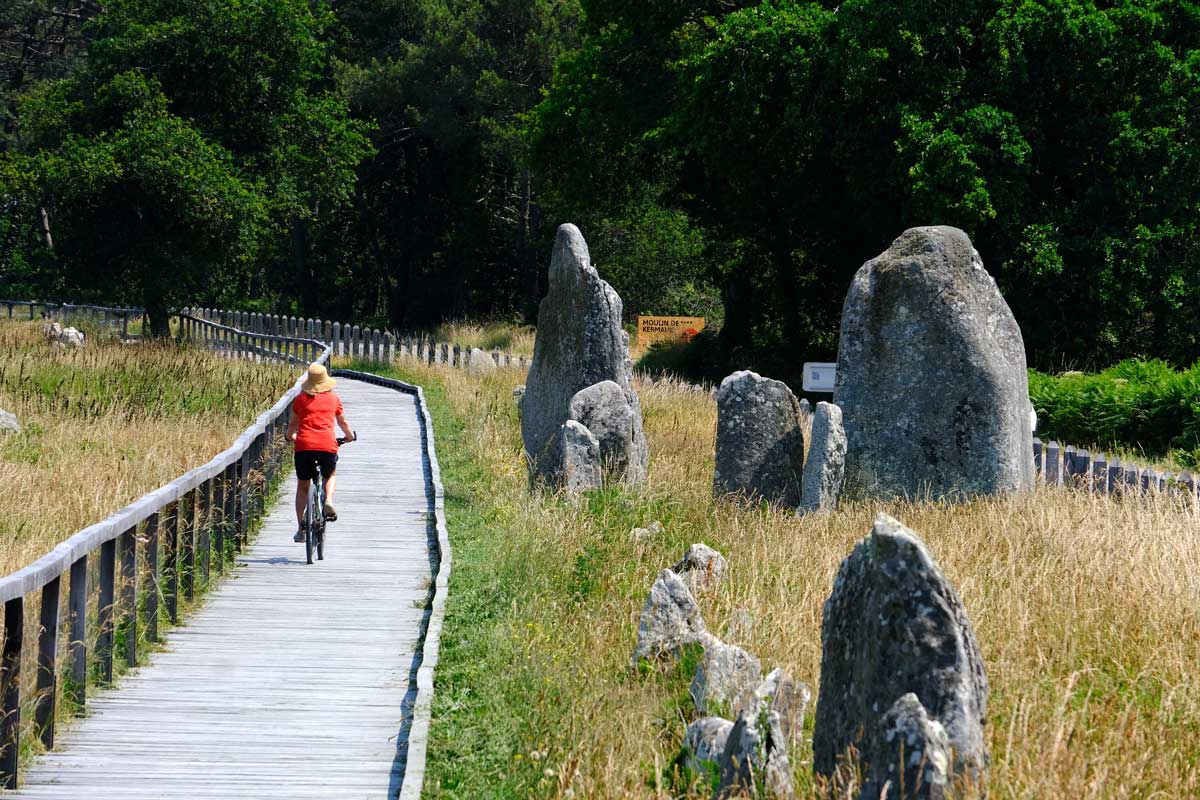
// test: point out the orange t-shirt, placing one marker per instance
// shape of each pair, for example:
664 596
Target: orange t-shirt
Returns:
315 414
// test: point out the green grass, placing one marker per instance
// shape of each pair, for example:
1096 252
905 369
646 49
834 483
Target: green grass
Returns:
502 713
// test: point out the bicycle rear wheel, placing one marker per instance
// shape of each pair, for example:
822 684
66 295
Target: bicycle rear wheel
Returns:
311 521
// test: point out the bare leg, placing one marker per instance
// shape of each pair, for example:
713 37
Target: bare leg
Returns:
301 501
330 483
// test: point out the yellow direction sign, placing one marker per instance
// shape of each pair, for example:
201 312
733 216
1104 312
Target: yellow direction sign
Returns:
667 329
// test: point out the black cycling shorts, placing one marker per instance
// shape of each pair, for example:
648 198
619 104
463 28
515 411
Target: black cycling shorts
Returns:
307 461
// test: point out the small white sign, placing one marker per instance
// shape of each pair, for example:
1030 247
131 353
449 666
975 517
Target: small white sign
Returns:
819 376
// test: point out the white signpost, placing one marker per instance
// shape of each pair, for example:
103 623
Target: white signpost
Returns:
819 376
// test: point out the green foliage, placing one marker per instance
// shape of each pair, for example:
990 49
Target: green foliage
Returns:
805 136
172 163
1146 405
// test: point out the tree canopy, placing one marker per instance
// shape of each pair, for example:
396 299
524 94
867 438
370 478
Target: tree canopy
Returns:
403 162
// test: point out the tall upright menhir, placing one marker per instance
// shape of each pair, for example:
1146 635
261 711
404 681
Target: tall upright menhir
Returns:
580 346
931 375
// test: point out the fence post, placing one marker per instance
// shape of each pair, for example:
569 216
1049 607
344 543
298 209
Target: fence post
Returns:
1099 481
47 683
151 608
1132 478
355 336
170 565
243 511
1037 451
204 534
335 337
10 680
104 614
1053 465
1083 465
229 517
458 356
77 635
128 623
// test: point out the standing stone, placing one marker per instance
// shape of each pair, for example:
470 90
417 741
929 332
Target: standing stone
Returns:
480 361
670 619
8 422
931 375
755 753
614 417
580 458
701 567
705 741
579 343
760 444
825 468
915 757
894 625
787 697
725 679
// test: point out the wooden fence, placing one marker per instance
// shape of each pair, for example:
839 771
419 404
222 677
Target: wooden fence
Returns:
107 316
115 579
1094 472
353 341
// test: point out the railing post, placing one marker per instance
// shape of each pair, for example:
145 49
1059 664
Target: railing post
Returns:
47 674
77 643
188 523
217 520
170 565
204 517
104 614
229 528
10 680
152 587
128 545
243 509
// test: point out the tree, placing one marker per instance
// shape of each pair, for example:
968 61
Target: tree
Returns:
448 206
192 141
804 136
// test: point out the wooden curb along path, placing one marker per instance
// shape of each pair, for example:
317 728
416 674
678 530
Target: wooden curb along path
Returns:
293 681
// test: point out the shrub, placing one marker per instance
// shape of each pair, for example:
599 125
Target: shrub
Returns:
1147 405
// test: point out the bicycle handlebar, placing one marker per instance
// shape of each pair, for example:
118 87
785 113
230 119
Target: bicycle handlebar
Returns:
342 439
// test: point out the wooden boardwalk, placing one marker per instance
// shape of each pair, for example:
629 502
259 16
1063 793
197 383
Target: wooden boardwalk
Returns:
291 681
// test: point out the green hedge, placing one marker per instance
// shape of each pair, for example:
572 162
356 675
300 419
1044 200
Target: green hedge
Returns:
1144 405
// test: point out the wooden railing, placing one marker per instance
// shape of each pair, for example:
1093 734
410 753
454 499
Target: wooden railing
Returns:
103 315
246 344
353 341
142 560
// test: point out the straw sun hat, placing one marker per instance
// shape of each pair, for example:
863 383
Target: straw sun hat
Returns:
317 380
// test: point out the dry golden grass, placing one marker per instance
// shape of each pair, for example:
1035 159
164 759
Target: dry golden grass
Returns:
108 423
505 337
1087 611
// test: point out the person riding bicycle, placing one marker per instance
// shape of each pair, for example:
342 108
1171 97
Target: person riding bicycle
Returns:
314 411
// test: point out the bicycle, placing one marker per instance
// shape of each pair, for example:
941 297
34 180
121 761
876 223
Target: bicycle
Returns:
314 513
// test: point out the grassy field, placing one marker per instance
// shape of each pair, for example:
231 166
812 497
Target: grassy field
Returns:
1085 608
502 336
105 424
